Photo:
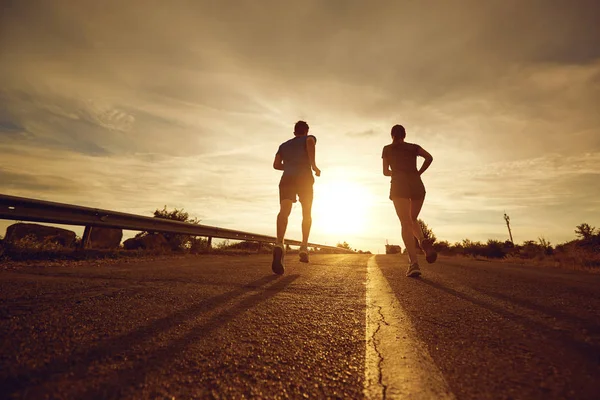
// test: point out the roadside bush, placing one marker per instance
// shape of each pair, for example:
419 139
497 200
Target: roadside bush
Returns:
573 255
493 249
591 243
198 245
473 249
343 245
29 247
177 242
457 249
31 243
442 247
531 249
244 246
580 252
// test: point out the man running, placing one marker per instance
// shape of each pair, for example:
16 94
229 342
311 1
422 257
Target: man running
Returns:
408 193
296 158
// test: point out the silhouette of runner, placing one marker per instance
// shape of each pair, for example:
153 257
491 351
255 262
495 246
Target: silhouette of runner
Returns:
408 193
296 158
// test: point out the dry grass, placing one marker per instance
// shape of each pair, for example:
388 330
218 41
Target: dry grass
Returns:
574 259
74 258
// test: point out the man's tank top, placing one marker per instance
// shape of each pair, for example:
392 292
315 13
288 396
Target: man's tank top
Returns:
295 156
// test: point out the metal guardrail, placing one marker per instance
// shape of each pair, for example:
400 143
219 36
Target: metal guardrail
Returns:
26 209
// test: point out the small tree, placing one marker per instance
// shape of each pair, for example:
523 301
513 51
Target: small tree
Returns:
176 214
427 231
494 249
531 249
585 231
344 246
442 247
177 241
545 245
471 248
223 244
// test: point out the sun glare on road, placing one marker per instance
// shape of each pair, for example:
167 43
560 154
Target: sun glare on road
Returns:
340 207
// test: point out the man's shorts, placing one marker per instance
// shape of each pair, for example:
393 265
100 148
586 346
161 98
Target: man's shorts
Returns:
291 186
407 186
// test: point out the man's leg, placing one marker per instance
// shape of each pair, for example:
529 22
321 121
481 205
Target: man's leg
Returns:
306 221
306 200
285 208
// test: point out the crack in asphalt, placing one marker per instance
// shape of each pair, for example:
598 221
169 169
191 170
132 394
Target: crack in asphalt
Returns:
395 349
380 320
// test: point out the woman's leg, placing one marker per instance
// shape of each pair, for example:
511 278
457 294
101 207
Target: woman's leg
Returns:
403 211
425 244
415 209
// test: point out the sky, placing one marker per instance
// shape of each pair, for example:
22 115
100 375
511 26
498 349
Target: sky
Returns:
130 106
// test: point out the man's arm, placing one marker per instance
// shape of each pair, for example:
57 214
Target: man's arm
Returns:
278 162
310 148
386 167
428 159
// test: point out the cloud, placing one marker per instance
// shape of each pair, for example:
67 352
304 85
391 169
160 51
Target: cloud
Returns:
107 116
204 79
366 133
12 180
9 127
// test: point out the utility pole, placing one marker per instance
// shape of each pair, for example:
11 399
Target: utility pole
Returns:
507 219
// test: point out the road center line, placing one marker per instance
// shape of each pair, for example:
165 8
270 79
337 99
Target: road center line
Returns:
397 364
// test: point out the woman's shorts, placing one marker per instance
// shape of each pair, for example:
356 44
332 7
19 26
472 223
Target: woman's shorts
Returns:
407 186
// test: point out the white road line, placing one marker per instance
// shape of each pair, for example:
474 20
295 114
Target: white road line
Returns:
397 364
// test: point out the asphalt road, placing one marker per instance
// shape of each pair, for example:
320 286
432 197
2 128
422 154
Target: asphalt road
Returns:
226 327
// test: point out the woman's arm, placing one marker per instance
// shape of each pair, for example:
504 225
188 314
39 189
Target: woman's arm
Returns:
428 160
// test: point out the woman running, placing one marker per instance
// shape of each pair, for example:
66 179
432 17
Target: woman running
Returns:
408 193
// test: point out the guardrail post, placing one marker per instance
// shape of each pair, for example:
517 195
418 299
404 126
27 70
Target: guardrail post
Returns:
259 247
209 243
85 240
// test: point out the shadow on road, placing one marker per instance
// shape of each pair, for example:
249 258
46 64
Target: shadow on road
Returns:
136 373
77 364
562 338
551 312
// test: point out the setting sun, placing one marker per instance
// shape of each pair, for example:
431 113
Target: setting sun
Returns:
341 207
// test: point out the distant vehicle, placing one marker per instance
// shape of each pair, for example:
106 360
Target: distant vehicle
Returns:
392 249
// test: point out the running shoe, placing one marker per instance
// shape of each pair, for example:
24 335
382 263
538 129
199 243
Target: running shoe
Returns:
303 254
277 265
430 253
413 270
